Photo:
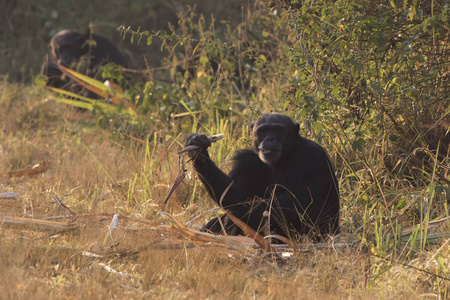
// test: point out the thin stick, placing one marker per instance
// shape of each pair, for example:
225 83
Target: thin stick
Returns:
181 169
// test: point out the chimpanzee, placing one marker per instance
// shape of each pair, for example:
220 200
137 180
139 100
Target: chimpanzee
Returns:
70 46
284 181
54 75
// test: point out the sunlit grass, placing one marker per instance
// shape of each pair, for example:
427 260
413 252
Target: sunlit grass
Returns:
93 170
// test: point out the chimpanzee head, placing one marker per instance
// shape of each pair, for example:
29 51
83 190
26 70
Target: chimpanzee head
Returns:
93 50
273 135
67 46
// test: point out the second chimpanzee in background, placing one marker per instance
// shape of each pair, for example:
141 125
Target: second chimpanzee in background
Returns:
284 174
70 47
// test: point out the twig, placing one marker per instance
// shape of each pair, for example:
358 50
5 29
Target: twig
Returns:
181 164
69 213
112 271
439 250
37 223
264 244
412 267
36 169
179 179
213 210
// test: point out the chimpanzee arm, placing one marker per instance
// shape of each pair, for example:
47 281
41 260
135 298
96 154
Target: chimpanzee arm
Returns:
214 179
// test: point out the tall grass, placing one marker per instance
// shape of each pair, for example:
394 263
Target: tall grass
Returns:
94 172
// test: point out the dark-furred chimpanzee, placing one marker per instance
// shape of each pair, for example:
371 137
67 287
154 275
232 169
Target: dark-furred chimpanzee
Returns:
54 75
284 174
71 46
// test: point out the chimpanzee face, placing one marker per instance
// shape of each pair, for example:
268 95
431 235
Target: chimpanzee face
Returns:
66 47
269 139
272 134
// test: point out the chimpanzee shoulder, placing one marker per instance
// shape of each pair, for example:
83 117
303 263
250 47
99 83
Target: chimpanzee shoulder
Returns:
106 51
245 160
249 167
308 147
250 175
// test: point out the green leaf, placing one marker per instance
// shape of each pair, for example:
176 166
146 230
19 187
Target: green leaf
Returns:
318 127
303 113
401 203
392 3
203 60
336 90
412 12
425 24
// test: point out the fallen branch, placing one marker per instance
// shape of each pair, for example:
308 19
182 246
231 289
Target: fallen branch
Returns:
36 169
37 223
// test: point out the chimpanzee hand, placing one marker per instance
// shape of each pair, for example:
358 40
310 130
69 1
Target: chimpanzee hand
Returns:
199 140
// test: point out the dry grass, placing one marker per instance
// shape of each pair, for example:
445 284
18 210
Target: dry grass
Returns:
95 172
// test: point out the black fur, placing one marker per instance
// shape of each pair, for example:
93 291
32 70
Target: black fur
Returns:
69 46
54 75
295 183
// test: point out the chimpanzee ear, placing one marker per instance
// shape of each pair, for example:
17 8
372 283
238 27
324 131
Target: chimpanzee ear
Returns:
296 127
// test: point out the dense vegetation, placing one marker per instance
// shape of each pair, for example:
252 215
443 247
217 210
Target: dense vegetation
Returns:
368 80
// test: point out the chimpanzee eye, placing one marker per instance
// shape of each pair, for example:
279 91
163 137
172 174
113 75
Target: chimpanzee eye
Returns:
279 131
262 131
